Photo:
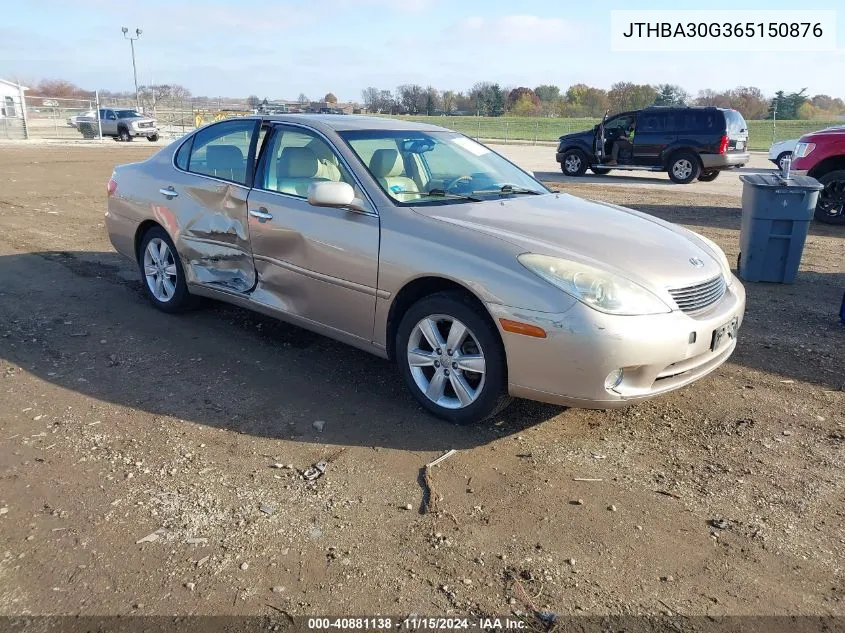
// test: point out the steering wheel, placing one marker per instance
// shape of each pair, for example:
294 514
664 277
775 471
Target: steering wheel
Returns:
453 186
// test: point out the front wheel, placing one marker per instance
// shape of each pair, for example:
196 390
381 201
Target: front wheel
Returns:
574 163
830 208
709 176
124 135
152 138
451 358
684 168
162 275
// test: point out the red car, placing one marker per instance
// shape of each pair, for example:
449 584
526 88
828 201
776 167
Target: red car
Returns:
821 155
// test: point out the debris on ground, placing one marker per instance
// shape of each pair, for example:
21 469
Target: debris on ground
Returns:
431 498
267 508
720 524
151 538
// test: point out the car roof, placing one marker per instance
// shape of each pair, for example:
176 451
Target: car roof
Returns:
346 122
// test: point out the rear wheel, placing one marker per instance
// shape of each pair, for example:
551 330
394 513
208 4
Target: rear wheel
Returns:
451 358
709 176
162 274
87 130
574 163
600 171
684 168
830 208
124 135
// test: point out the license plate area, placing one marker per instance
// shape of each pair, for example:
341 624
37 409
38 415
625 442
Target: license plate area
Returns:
724 333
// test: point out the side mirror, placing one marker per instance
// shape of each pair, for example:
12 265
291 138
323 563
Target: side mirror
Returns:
338 195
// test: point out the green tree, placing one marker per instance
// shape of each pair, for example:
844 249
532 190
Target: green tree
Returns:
547 93
625 95
671 95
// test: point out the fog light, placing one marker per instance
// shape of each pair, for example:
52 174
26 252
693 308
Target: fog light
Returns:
614 379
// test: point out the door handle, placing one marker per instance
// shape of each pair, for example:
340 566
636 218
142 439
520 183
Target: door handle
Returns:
261 213
170 192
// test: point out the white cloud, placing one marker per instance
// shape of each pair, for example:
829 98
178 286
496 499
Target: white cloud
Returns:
518 29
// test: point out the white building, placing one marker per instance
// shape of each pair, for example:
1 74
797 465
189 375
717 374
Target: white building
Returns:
12 110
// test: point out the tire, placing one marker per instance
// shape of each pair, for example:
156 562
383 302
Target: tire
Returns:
781 157
830 208
574 163
124 135
684 168
152 138
483 393
87 130
600 171
177 300
709 176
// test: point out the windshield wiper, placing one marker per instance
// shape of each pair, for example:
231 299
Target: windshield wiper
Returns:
511 189
442 193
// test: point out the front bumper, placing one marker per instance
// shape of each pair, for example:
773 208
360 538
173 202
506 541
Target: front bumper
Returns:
143 131
658 353
724 161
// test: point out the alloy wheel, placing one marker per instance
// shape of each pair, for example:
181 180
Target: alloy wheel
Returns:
446 361
682 168
572 163
160 270
832 199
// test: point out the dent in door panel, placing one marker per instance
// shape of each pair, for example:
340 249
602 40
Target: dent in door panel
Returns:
215 235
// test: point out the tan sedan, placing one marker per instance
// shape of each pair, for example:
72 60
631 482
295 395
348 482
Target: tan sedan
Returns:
419 244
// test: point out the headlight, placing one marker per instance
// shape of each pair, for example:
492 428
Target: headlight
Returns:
803 149
597 288
720 257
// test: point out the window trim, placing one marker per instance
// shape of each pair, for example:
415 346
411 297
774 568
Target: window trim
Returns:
261 166
250 154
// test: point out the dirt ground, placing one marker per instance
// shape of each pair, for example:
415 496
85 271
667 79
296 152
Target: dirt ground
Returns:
137 450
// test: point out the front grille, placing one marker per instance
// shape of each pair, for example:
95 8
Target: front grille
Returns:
700 296
147 124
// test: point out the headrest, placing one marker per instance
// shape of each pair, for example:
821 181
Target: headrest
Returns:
297 162
386 163
322 151
224 157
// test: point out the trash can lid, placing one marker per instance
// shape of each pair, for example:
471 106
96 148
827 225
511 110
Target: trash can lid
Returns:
774 181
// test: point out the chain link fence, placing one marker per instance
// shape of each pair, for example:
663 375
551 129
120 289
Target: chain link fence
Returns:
176 116
58 117
761 134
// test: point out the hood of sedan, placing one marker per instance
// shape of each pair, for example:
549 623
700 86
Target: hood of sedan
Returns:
640 247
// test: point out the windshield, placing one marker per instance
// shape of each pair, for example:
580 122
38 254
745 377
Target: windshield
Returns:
127 114
415 167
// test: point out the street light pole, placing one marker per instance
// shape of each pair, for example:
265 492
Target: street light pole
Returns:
134 68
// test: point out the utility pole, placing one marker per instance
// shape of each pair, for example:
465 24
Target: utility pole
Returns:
134 68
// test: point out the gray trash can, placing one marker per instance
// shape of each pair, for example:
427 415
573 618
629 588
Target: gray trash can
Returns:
776 214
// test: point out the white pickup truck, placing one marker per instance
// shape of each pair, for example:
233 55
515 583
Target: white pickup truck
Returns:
122 124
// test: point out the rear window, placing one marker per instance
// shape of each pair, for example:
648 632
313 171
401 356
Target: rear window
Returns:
736 124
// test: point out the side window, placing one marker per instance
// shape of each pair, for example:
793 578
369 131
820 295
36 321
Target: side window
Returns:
296 158
222 150
651 122
183 154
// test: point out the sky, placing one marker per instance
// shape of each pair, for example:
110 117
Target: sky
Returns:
280 49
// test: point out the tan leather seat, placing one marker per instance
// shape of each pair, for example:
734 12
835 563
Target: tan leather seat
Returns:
328 167
389 169
225 161
297 168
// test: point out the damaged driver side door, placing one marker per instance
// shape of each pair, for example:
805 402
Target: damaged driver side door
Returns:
207 195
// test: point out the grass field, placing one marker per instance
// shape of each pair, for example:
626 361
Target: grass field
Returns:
761 133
